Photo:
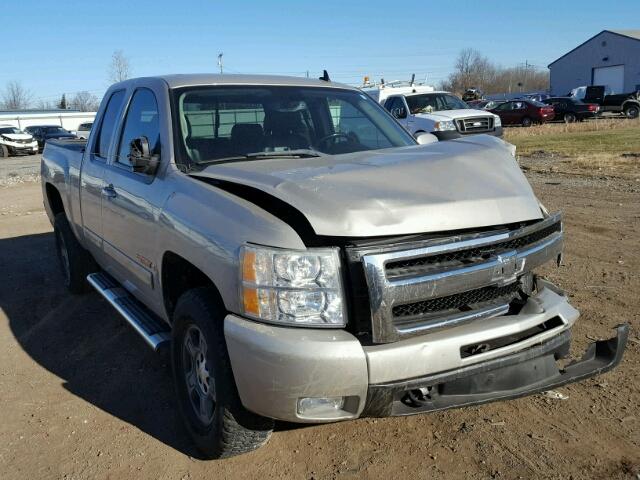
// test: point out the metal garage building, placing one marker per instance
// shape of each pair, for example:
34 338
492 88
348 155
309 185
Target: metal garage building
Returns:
610 58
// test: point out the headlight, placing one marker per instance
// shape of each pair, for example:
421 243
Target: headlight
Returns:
497 121
6 139
289 287
444 126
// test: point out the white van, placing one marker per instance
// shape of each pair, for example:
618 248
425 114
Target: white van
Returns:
421 108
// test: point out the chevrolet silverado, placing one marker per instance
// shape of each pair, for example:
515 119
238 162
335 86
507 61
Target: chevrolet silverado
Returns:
305 259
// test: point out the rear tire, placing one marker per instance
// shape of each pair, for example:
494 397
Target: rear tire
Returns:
632 111
75 262
570 117
526 122
209 403
4 151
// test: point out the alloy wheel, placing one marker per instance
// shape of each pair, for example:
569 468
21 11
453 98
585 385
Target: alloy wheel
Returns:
198 375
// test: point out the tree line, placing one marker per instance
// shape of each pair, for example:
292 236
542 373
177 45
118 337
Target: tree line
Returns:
16 97
474 70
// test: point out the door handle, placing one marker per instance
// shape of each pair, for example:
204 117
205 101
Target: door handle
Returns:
109 191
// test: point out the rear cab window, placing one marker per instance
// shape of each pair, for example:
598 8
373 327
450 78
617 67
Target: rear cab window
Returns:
108 124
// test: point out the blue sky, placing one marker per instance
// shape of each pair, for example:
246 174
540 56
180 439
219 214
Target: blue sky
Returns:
65 46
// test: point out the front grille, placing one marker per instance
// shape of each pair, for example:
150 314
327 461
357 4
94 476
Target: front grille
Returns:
458 301
416 266
475 124
442 282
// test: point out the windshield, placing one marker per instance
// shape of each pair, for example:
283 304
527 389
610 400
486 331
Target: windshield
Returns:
54 130
9 130
434 102
219 124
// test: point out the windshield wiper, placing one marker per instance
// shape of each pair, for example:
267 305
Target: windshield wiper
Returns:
300 153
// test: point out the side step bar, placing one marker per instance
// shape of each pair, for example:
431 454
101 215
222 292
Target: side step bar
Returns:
152 329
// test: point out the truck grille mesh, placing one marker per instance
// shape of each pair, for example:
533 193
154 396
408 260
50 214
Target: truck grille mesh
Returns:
475 124
420 265
458 301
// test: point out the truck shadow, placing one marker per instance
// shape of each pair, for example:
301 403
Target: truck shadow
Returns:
82 340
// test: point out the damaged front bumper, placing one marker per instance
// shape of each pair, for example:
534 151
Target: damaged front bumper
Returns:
276 368
523 373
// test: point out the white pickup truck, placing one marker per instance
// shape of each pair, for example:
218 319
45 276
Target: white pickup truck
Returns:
422 109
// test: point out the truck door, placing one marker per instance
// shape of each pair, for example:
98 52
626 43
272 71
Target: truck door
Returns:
92 173
132 201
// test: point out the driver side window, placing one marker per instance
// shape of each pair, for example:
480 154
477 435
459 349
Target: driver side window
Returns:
352 122
141 121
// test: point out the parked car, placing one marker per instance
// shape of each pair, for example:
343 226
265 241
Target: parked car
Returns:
421 109
570 109
83 130
485 104
43 133
523 112
472 94
538 97
14 141
627 104
306 259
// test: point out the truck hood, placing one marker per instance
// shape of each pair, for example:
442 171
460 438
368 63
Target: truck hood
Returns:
459 184
454 114
18 136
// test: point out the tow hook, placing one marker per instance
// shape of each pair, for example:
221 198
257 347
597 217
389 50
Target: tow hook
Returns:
420 397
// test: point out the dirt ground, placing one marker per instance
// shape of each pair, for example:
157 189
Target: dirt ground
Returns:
82 397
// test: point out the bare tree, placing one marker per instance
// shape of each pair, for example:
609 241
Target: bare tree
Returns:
119 69
85 102
16 97
45 105
472 69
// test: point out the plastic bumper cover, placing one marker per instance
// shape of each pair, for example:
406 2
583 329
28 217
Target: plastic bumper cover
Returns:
522 373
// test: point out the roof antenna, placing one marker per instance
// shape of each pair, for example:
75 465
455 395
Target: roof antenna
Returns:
325 76
413 78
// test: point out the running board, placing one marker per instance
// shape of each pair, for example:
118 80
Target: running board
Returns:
151 328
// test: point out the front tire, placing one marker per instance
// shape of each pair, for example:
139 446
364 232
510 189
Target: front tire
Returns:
4 151
207 395
526 122
75 262
632 111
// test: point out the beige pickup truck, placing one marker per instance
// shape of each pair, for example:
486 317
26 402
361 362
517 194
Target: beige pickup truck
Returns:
305 259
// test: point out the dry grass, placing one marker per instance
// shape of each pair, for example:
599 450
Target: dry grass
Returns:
601 138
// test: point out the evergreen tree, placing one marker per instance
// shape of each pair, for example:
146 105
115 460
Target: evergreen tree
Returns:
63 103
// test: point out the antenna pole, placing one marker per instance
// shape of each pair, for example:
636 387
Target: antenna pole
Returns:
220 61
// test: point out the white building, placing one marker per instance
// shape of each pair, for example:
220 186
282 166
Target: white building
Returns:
67 119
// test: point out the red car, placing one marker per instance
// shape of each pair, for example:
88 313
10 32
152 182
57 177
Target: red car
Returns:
523 112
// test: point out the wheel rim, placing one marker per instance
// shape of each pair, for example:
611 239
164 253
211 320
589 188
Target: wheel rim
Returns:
526 122
569 117
632 112
197 376
63 255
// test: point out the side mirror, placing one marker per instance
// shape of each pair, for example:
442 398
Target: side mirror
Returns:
140 157
399 112
426 138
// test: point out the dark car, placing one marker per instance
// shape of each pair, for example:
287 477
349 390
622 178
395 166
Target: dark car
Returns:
523 112
42 133
570 109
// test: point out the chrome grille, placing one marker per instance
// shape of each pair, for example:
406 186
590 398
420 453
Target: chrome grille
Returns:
447 281
475 124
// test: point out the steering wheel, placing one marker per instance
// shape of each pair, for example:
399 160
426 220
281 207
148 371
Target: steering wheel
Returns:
333 136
